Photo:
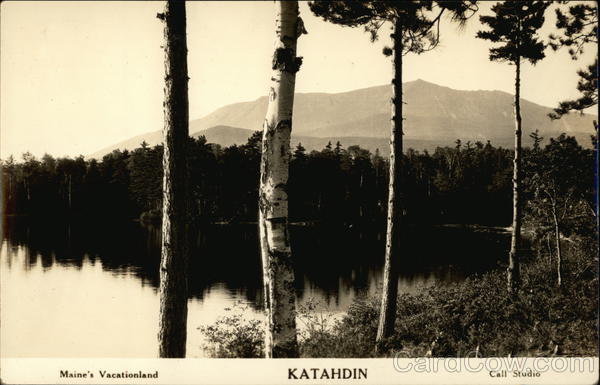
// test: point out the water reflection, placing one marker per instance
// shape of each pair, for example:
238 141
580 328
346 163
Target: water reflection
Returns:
90 289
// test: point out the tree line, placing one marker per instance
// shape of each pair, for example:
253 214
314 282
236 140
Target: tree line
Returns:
465 183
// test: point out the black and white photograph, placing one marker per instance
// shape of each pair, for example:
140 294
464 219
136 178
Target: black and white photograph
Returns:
346 191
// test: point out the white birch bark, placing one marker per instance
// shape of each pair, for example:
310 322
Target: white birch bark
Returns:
389 296
558 248
513 271
278 272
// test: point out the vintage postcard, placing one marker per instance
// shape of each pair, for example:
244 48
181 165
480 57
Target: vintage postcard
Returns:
268 192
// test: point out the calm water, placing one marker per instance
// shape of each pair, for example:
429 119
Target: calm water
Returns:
90 290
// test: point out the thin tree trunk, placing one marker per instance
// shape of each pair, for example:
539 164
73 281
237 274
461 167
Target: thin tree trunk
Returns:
390 273
278 272
360 202
549 250
513 271
558 249
597 180
70 190
26 183
175 224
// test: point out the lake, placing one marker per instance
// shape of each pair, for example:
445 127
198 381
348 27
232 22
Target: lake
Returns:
89 289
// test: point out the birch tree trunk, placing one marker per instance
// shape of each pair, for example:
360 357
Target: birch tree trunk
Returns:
173 265
558 250
278 272
513 271
390 272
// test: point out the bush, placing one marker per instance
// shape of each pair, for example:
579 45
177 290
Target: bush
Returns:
234 335
541 320
351 336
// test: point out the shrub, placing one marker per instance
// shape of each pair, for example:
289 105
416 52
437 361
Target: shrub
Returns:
351 336
234 335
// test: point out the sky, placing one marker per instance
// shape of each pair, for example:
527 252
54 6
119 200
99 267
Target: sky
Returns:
76 77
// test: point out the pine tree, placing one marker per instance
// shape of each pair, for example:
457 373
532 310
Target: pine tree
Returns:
300 153
415 28
514 28
175 224
578 28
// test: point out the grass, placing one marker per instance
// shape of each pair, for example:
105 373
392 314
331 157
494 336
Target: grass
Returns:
453 321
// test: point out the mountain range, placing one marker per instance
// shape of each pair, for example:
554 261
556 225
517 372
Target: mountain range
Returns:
434 116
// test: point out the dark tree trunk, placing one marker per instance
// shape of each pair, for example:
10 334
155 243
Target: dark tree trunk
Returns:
175 223
513 271
394 218
70 190
26 183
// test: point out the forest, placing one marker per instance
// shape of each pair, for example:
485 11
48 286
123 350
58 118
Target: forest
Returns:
467 183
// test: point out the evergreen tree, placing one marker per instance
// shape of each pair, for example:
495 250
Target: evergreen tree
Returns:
300 153
537 139
578 28
338 149
414 30
175 222
9 179
588 87
514 27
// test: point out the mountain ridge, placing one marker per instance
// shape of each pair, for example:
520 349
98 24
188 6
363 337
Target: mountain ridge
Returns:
433 113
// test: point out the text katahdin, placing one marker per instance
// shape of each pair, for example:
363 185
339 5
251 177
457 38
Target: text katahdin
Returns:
326 374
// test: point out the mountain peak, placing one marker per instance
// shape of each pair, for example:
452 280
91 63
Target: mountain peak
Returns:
424 84
421 81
